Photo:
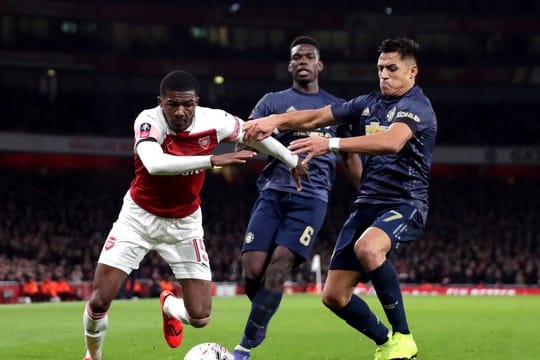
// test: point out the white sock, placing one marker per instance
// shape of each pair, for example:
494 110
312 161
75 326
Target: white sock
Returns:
174 307
95 328
241 348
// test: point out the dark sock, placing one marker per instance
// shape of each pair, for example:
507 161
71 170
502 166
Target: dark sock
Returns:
264 305
386 284
251 287
358 315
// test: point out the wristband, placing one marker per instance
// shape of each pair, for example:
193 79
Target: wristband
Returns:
333 144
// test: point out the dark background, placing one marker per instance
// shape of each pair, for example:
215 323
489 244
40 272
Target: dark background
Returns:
89 67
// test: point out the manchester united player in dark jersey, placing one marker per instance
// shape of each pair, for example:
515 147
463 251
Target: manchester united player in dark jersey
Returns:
396 130
284 223
161 210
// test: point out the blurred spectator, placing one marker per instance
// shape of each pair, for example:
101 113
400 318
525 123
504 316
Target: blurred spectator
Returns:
132 288
480 229
167 283
48 290
65 290
30 289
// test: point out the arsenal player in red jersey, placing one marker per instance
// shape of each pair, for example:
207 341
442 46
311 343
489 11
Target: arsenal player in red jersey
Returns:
161 210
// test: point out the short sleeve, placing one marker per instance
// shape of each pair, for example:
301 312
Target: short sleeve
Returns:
417 115
147 126
228 127
262 108
349 111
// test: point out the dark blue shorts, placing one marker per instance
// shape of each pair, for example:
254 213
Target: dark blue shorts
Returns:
286 219
403 223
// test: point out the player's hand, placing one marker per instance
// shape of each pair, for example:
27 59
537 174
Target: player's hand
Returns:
299 173
257 130
312 146
239 157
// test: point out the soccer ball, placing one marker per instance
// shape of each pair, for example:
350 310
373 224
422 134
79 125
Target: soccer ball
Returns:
208 351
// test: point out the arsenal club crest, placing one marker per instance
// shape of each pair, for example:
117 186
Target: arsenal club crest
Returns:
204 142
110 242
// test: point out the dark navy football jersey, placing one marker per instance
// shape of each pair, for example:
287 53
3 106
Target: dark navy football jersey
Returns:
401 177
276 175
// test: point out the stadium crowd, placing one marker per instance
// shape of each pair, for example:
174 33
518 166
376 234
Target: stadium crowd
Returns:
481 229
53 223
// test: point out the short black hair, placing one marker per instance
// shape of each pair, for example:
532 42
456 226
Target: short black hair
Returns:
178 80
406 48
304 39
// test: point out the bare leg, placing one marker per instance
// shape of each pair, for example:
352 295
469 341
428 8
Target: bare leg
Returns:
107 282
253 264
195 306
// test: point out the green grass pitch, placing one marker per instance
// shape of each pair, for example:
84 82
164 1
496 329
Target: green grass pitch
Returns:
475 328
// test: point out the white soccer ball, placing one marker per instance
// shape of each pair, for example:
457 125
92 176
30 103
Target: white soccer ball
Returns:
208 351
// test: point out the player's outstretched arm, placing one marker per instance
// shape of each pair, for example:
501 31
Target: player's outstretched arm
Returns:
271 146
301 120
159 163
238 157
386 142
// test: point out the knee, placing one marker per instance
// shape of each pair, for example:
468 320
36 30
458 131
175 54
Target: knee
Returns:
275 277
198 317
98 303
252 266
371 255
334 301
199 322
251 273
363 250
278 270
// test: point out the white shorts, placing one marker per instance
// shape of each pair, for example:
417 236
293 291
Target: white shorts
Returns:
180 242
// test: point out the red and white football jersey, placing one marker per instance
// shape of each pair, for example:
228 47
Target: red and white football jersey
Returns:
177 196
